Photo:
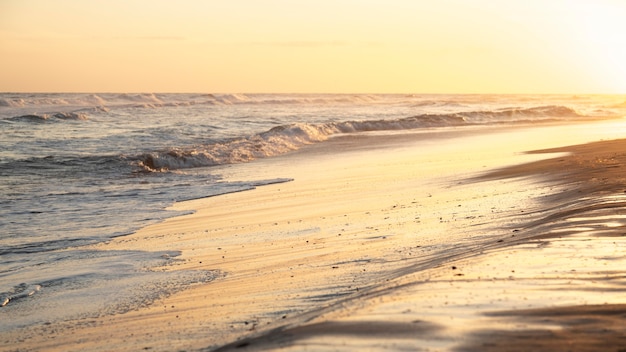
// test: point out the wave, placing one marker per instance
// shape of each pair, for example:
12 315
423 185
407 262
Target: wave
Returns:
152 100
37 102
278 140
169 100
285 138
143 98
232 99
282 138
12 103
78 100
513 114
75 116
53 100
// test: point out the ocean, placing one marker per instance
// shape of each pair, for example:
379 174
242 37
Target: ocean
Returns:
80 169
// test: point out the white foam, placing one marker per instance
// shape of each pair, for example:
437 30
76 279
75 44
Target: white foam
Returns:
13 103
285 138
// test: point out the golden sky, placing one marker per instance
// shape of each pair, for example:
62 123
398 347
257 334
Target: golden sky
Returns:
321 46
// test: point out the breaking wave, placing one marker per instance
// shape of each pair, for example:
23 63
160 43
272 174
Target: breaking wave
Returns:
285 138
12 103
53 100
289 137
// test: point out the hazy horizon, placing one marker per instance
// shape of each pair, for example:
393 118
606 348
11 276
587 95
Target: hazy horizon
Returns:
300 93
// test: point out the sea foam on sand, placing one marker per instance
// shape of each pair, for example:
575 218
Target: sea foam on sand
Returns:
400 241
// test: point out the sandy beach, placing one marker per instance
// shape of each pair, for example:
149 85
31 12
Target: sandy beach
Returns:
438 240
312 176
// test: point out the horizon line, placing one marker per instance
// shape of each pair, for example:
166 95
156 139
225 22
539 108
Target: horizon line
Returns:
305 93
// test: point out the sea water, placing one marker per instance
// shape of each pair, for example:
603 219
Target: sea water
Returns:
79 169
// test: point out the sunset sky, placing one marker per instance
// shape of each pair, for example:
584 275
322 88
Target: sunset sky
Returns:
322 46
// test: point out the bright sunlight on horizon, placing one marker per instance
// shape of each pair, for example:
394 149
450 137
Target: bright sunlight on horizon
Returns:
322 46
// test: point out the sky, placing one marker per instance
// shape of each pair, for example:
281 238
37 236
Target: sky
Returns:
321 46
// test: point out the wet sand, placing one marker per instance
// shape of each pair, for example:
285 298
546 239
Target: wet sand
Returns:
557 283
436 241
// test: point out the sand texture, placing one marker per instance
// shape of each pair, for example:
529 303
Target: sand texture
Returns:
434 242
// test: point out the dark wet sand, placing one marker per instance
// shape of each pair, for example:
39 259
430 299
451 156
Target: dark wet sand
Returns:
593 178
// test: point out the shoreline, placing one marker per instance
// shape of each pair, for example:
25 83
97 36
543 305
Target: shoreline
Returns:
333 257
581 229
555 284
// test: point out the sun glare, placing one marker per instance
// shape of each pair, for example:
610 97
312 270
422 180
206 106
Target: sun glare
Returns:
603 42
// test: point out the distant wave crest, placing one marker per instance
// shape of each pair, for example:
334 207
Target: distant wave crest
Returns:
12 103
153 100
76 116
